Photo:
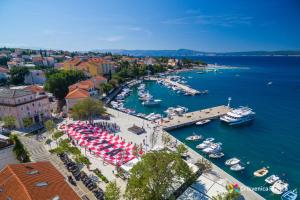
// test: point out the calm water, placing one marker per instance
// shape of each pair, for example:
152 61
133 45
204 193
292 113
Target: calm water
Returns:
272 140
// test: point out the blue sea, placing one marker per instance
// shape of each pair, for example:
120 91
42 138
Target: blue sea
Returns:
272 140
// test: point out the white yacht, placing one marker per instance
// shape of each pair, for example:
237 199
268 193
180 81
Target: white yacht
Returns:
272 179
290 195
238 116
202 122
216 155
194 137
232 161
279 187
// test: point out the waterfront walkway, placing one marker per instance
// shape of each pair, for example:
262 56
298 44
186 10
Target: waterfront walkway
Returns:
193 117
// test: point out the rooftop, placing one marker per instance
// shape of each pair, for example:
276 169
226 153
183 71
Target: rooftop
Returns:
34 181
77 93
13 93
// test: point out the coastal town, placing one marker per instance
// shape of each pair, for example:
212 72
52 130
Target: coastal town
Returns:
62 116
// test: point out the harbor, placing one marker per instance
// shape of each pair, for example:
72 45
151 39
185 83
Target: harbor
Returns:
191 118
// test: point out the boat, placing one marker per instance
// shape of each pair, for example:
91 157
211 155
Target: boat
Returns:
203 145
232 161
213 148
272 179
237 167
261 172
238 116
210 139
216 155
194 137
202 122
290 195
152 102
279 187
269 83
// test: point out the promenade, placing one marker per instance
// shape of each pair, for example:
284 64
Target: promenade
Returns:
219 176
193 117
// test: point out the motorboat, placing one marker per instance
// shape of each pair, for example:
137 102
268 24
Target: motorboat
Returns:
290 195
272 179
152 102
232 161
203 145
237 167
269 83
279 187
194 137
202 122
261 172
213 148
210 139
216 155
238 116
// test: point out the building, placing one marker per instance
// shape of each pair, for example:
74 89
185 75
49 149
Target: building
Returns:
35 77
74 96
24 104
91 66
34 181
149 61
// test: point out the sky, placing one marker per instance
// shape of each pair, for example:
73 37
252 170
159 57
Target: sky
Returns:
204 25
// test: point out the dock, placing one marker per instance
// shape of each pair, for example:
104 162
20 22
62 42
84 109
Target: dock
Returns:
193 117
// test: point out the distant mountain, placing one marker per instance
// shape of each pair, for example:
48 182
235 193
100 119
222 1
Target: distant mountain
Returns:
188 52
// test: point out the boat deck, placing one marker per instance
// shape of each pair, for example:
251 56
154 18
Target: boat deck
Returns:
193 117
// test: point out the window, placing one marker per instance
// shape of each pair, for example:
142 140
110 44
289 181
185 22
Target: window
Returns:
41 184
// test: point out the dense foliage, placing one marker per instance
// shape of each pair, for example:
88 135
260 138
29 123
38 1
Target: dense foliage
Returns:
87 109
156 174
17 75
112 191
9 121
19 149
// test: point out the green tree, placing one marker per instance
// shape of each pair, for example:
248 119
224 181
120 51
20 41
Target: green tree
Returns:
3 61
166 139
17 75
9 121
27 122
105 87
114 82
87 109
156 174
181 149
50 125
112 191
58 82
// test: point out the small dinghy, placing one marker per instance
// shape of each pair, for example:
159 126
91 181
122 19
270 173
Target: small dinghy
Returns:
232 161
216 155
237 167
202 122
279 187
271 179
290 195
261 172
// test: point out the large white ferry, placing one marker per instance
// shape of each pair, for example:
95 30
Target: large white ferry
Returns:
238 116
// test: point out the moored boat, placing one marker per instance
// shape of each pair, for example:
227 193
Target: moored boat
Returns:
152 102
279 187
194 137
271 179
261 172
237 167
203 145
213 148
202 122
232 161
216 155
290 195
238 116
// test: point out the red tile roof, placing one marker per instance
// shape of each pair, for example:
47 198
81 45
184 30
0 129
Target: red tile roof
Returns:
34 88
19 182
3 70
77 93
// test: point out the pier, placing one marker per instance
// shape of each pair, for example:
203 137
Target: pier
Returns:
182 87
193 117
